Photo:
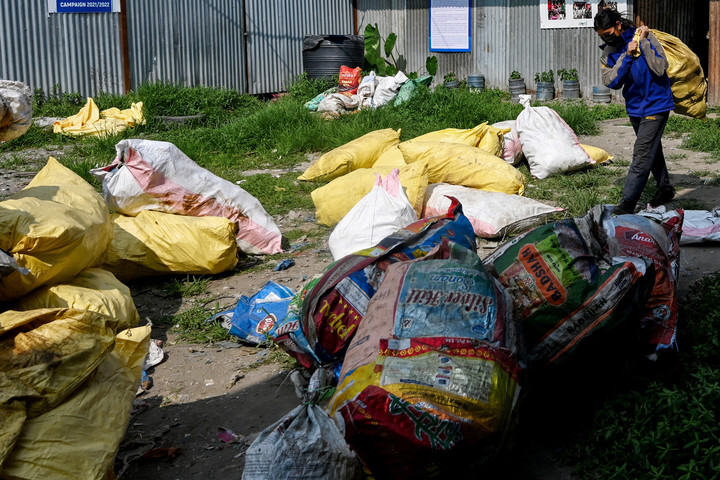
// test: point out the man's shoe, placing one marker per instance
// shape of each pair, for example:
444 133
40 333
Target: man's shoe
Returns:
663 195
620 210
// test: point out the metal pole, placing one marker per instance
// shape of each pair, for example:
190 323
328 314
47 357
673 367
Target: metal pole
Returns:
713 73
124 46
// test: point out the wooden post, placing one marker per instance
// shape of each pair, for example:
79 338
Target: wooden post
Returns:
713 73
124 46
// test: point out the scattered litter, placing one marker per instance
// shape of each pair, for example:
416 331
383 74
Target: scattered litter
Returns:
284 265
209 382
237 376
227 436
154 357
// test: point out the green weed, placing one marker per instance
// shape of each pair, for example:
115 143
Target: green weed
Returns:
192 326
187 287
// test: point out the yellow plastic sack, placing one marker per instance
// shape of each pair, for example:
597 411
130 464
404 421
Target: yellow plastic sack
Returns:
687 79
334 200
156 243
80 437
460 164
56 227
392 157
91 121
44 356
596 153
483 136
93 289
359 153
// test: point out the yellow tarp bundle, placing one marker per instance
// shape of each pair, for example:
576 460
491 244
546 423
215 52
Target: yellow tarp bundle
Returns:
56 227
461 164
334 200
359 153
80 437
156 243
93 289
688 83
91 121
44 356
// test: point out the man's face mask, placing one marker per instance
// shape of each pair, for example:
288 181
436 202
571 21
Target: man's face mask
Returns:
613 40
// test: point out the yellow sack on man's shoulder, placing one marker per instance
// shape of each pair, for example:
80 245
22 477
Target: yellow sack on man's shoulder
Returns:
359 153
460 164
157 243
687 79
94 417
483 136
91 121
55 227
92 289
334 200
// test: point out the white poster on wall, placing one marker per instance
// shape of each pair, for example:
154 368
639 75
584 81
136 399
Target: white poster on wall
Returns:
571 14
450 25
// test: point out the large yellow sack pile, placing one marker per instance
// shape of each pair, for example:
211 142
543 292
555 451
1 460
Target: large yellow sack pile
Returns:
156 243
55 227
359 153
483 136
80 436
93 289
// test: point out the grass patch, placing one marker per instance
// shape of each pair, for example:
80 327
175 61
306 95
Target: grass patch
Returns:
669 426
188 287
192 326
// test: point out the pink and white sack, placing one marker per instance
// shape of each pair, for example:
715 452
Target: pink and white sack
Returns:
152 175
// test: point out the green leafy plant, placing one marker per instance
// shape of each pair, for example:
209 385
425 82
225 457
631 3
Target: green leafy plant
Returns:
548 77
380 54
450 77
568 74
515 75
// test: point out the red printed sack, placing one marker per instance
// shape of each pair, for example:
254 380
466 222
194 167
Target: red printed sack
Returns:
349 80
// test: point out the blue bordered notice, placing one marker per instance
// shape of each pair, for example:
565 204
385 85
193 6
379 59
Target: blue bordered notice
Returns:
450 25
83 6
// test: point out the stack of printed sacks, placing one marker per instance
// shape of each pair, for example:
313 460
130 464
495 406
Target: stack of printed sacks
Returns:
566 287
325 315
70 362
656 238
429 383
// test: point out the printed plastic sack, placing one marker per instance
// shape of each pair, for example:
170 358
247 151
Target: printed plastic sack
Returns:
289 334
55 227
305 443
641 236
512 148
151 175
313 103
44 356
434 371
15 109
410 88
94 416
492 214
566 288
334 200
255 319
359 153
336 305
548 143
380 213
92 289
156 243
698 225
687 79
387 89
459 164
349 80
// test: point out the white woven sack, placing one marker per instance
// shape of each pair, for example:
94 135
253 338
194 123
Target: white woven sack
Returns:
152 175
492 214
15 103
380 213
548 143
512 148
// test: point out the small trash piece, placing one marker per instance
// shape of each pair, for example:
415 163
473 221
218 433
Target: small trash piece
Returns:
154 357
284 265
146 381
227 436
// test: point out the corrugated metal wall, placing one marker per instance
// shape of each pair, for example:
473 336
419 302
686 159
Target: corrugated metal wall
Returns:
80 53
275 32
506 36
188 42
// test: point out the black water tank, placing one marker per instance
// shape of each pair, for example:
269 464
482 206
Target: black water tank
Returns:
323 55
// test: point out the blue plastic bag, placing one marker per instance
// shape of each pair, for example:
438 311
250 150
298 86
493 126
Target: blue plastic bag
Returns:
255 319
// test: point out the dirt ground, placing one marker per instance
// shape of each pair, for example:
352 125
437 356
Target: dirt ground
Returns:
198 389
